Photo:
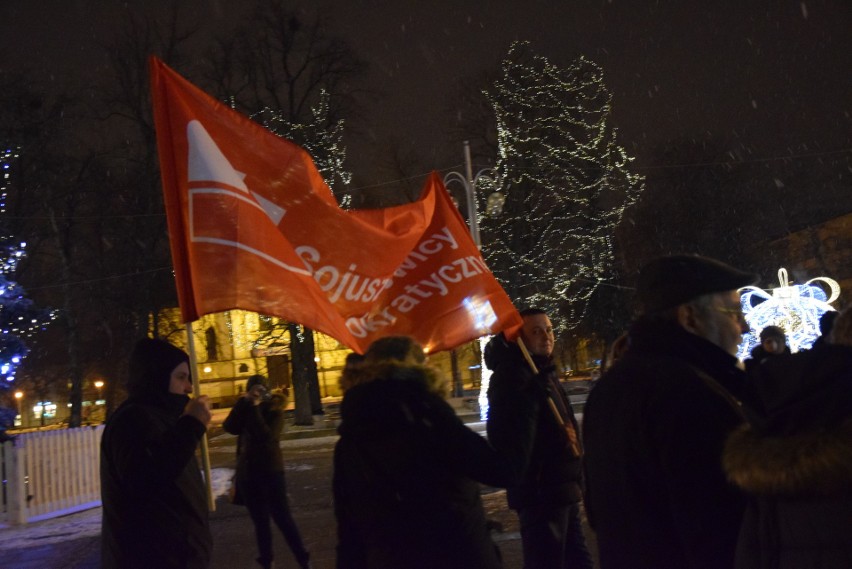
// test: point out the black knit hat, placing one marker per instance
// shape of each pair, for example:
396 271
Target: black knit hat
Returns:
670 281
772 332
151 364
253 380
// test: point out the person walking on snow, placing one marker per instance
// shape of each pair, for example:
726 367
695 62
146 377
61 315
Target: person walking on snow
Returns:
258 420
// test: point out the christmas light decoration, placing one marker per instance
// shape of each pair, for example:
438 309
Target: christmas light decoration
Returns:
322 140
566 183
19 319
794 308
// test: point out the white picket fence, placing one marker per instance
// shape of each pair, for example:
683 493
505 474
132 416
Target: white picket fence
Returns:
50 473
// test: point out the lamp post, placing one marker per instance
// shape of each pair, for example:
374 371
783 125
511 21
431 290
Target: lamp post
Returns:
494 207
470 181
19 398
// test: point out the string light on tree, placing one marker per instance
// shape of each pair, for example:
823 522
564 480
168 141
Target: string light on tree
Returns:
566 183
794 308
321 137
19 319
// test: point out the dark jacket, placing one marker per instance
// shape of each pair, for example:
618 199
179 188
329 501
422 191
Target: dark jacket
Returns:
795 461
259 429
760 355
405 477
654 427
154 501
522 425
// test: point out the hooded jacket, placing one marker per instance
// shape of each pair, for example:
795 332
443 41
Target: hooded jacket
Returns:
154 502
795 462
654 428
405 475
522 425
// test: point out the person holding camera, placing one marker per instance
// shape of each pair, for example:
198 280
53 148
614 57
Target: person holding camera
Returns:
258 419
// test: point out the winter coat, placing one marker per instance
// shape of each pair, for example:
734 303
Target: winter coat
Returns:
759 355
522 425
795 461
405 477
654 427
259 429
154 500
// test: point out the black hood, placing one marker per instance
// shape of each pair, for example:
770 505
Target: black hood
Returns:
499 350
151 366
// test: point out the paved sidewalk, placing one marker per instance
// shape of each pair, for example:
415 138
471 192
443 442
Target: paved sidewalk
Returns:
73 542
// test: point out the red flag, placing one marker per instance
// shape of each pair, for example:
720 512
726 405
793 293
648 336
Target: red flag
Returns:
253 226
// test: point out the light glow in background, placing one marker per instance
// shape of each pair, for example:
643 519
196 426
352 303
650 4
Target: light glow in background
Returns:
794 308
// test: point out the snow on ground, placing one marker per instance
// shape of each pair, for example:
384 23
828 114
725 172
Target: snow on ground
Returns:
81 524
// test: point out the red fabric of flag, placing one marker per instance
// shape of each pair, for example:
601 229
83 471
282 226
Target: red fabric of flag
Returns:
253 226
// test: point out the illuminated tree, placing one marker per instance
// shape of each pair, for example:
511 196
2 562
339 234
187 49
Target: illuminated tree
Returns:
289 74
566 183
19 318
321 138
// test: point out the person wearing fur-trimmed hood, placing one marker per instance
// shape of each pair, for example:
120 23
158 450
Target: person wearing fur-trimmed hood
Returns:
406 469
795 459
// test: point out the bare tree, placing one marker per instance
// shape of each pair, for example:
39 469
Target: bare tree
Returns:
282 67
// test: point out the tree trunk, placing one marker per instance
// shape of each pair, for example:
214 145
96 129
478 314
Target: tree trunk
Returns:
305 380
458 388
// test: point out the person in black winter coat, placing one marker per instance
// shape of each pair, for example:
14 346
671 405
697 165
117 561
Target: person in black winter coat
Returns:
154 501
655 424
549 494
795 459
773 342
406 469
258 419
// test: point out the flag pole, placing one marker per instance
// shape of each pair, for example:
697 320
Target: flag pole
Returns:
196 391
527 355
534 368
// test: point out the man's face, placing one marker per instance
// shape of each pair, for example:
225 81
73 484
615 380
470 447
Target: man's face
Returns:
774 345
537 334
722 321
180 383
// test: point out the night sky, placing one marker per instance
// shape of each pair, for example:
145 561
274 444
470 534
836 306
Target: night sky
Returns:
775 76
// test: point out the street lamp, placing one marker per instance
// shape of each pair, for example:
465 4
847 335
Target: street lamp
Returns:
495 202
494 207
19 397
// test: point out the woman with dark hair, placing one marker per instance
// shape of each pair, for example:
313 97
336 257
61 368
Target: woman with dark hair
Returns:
406 469
258 419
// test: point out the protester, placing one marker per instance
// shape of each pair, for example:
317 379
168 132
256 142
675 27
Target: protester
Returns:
795 459
655 424
617 349
773 342
258 420
826 322
154 502
549 494
405 469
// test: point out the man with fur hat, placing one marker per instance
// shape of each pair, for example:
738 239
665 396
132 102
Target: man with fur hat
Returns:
154 501
655 424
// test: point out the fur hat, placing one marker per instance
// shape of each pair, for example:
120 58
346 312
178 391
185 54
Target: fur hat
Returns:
151 364
667 282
